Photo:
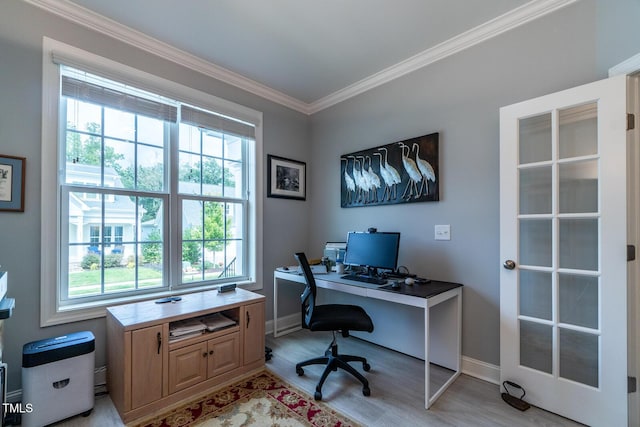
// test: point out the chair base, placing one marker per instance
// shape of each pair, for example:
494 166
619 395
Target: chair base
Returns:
333 361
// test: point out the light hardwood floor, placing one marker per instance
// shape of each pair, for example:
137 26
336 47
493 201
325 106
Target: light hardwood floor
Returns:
397 390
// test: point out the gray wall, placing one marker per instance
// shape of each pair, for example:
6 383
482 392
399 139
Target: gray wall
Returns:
459 97
21 30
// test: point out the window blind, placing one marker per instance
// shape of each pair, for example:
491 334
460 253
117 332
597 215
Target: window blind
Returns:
215 122
97 94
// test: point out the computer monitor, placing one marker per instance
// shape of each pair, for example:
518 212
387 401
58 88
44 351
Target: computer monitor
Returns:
373 250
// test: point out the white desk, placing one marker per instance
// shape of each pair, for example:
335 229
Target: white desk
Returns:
443 327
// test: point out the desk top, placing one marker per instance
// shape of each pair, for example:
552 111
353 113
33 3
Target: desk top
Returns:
425 290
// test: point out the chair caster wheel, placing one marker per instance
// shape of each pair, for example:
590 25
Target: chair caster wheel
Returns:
366 367
366 391
317 395
300 372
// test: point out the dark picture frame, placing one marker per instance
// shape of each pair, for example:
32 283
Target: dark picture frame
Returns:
400 172
12 174
286 178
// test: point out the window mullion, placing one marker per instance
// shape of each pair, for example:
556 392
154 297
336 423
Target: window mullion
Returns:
173 227
102 225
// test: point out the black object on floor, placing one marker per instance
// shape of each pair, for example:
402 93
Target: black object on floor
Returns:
268 353
514 401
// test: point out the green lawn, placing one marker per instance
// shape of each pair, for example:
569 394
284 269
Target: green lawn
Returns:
111 275
87 282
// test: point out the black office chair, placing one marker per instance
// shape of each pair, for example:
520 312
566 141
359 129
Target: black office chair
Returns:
331 317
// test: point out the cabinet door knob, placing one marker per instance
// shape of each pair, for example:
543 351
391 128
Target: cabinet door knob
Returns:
204 354
159 342
210 352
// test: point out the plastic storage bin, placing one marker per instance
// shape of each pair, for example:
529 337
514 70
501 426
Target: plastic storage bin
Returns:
57 378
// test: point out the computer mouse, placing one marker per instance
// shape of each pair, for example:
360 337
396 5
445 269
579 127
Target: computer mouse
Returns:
409 281
395 284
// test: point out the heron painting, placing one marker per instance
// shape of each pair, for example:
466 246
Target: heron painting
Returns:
401 172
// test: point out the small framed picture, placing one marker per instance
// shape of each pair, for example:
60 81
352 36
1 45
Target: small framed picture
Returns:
286 178
12 173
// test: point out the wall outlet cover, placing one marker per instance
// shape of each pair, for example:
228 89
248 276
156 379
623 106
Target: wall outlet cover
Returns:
443 232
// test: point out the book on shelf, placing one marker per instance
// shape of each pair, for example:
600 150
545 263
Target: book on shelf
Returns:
185 329
174 338
217 321
193 327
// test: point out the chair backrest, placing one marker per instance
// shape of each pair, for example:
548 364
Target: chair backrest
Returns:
308 296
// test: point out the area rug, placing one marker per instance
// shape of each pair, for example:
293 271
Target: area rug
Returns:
261 400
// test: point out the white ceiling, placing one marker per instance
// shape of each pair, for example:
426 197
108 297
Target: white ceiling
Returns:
306 54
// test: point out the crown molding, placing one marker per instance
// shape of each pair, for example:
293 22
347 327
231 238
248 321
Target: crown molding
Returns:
628 66
113 29
503 23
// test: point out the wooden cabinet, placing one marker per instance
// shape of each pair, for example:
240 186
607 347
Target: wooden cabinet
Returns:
187 366
224 354
198 362
146 365
148 368
254 332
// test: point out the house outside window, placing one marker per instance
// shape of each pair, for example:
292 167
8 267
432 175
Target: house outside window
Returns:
118 234
157 195
94 235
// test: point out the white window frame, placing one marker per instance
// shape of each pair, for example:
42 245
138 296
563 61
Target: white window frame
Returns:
51 311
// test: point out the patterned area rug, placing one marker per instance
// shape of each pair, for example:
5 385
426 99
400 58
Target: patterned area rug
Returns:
260 400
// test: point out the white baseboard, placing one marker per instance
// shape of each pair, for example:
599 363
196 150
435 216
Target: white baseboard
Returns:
268 327
100 376
14 396
284 323
481 370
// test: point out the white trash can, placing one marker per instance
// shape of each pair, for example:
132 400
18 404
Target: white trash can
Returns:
57 378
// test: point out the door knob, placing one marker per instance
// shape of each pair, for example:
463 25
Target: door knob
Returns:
509 264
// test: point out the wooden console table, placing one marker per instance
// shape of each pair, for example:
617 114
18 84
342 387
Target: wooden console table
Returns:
148 369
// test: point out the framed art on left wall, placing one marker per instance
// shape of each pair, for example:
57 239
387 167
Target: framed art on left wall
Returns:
12 173
286 178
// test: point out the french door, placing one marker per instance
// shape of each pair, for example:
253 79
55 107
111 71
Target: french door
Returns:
563 237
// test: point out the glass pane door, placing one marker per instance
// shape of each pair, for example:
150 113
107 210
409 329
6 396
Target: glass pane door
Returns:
563 239
558 219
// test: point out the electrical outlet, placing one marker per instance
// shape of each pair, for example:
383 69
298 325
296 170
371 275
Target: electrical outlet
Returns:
443 232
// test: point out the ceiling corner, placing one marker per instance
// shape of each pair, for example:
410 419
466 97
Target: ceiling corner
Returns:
519 16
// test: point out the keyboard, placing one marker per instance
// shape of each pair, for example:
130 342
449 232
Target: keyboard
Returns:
365 279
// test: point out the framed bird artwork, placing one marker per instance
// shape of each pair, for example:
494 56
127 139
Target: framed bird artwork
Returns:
400 172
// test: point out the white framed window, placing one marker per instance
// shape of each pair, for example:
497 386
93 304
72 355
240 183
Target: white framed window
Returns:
155 187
